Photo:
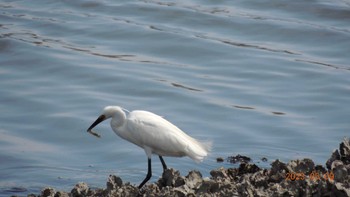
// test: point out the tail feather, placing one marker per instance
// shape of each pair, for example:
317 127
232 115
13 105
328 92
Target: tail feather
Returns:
199 150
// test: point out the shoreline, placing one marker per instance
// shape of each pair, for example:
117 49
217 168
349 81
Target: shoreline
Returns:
296 178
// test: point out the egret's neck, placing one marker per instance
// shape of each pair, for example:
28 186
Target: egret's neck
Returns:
118 119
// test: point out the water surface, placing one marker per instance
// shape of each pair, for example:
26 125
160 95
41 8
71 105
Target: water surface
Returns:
259 78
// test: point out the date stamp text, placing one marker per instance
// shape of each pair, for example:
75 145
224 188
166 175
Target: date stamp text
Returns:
313 176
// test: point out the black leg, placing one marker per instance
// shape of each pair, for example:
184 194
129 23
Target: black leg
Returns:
149 174
163 163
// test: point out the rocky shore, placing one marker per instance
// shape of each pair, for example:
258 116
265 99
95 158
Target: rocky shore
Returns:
295 178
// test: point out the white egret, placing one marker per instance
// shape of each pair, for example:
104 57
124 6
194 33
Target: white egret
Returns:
152 133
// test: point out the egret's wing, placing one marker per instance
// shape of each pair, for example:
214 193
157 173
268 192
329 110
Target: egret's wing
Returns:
152 131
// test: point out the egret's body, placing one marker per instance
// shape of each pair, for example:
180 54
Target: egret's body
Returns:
154 134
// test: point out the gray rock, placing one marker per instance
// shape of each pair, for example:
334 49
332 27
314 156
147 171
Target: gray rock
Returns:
264 159
260 179
219 173
336 163
344 149
339 170
305 166
219 159
335 156
113 182
193 179
246 180
125 190
238 159
245 168
61 194
171 177
278 166
150 190
80 190
48 192
207 187
278 171
341 189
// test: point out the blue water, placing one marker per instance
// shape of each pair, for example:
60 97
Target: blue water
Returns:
258 78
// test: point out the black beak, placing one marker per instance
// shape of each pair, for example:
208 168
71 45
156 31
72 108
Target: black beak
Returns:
97 121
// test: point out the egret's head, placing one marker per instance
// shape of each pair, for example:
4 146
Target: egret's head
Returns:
108 112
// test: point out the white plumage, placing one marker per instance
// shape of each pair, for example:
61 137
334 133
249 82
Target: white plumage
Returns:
152 133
